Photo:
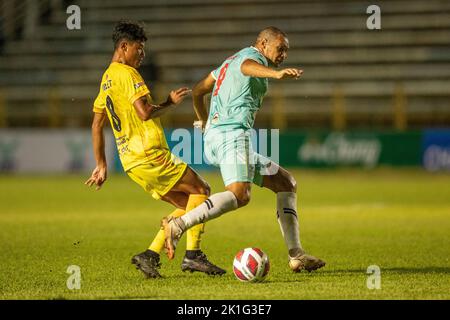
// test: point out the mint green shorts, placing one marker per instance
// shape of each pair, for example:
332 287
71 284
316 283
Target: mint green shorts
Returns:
232 151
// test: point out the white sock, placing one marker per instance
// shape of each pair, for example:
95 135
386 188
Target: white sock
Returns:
213 207
288 219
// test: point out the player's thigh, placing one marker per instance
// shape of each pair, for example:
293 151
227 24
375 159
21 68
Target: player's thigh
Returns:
236 158
159 174
191 183
281 181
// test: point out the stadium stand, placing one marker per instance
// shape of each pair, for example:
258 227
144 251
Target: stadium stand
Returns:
397 77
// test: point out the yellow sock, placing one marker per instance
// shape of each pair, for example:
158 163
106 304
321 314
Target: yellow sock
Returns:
158 243
193 234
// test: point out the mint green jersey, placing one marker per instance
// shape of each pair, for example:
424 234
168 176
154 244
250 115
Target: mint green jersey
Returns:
236 98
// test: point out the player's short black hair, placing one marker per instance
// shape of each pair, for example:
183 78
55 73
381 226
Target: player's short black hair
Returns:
129 30
270 32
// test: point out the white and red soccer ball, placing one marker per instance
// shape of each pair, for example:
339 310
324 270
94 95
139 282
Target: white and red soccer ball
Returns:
251 265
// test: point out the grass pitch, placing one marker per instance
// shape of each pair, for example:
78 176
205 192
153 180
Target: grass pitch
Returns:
398 220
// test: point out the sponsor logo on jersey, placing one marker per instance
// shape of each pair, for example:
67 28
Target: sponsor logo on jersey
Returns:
138 85
107 84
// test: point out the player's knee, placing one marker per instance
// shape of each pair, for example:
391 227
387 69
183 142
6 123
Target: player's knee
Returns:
206 189
203 188
243 198
178 201
292 184
288 184
242 193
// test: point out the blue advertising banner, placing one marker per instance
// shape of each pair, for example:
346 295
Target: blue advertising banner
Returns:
436 149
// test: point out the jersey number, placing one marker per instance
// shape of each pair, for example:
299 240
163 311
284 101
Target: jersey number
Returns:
115 119
220 79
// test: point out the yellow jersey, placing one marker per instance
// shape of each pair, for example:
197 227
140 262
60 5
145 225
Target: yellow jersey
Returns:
137 141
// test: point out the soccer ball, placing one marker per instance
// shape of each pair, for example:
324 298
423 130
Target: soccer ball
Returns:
251 265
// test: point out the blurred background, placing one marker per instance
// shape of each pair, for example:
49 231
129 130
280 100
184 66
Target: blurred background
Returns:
367 97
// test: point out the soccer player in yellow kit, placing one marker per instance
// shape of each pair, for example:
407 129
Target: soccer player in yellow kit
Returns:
125 100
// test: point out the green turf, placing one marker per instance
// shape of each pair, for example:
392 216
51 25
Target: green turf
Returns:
398 220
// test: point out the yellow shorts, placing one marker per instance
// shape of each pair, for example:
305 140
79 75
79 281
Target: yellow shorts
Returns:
159 174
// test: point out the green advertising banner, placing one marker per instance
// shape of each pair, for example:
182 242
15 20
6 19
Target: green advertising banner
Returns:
362 149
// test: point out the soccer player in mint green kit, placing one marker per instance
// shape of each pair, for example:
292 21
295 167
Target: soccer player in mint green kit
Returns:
237 89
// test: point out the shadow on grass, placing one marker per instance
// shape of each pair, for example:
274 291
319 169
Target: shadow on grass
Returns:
93 298
424 270
304 275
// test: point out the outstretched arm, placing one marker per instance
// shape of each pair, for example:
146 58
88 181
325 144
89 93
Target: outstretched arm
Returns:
99 174
254 69
145 110
201 89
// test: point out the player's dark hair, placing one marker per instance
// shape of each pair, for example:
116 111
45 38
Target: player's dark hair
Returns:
128 30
